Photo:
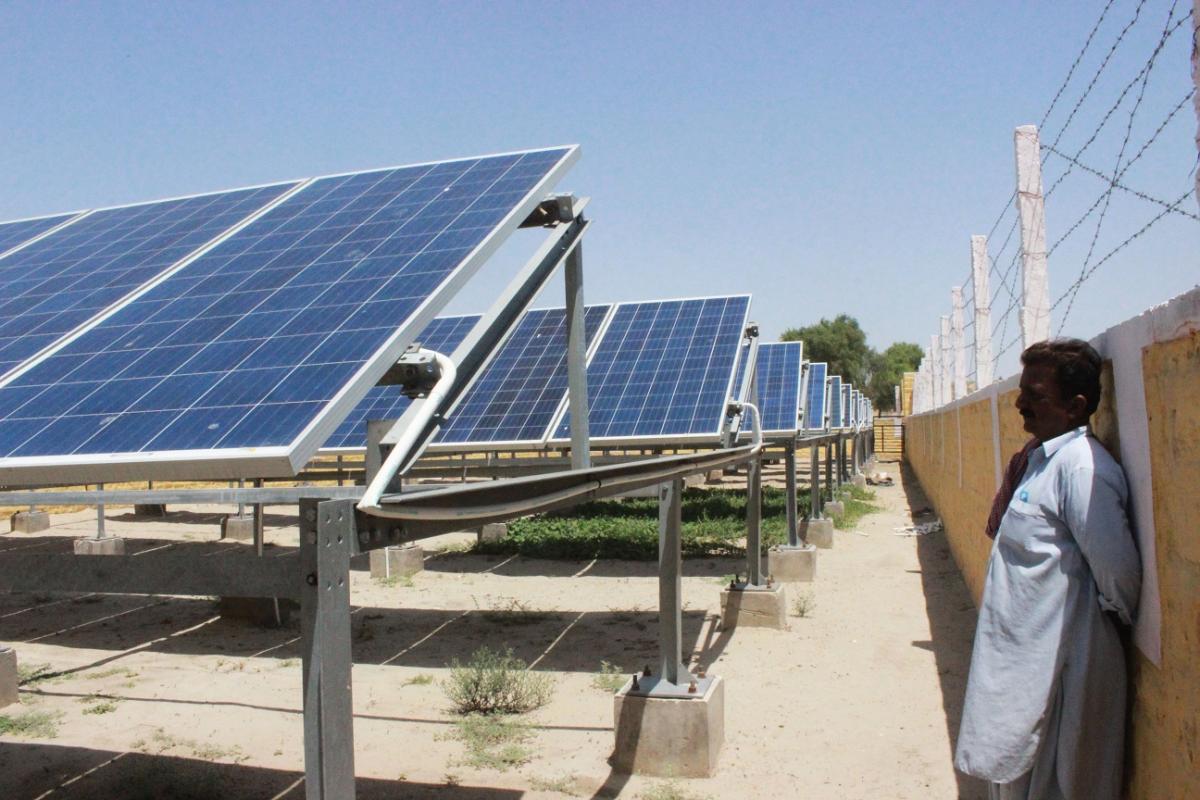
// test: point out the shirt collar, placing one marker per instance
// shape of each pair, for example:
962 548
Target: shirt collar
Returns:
1052 446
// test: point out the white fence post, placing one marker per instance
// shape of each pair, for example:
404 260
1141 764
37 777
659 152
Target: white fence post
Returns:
983 310
947 360
1196 79
958 339
1035 293
935 372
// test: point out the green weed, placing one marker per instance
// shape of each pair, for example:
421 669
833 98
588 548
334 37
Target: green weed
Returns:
496 683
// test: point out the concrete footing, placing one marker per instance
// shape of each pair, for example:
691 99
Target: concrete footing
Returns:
832 507
108 546
29 522
668 737
149 510
265 612
397 562
714 476
492 532
8 677
754 608
239 529
792 564
859 480
819 533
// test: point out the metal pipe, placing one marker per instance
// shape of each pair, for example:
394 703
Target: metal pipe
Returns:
581 456
670 580
754 574
789 465
100 534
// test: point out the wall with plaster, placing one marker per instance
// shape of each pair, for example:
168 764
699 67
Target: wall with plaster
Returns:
1150 420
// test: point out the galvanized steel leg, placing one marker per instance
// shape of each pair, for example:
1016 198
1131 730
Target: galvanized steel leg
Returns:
814 479
581 456
754 574
100 534
789 465
670 580
258 521
829 484
327 529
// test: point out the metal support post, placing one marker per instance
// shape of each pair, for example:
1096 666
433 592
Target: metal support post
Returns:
814 479
829 485
754 576
241 506
670 581
100 534
327 529
581 457
258 520
789 466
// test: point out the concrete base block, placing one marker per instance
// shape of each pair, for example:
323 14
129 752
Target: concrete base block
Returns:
265 612
108 546
754 608
239 529
669 738
149 510
819 533
8 677
492 532
860 481
792 564
29 522
832 507
713 476
397 562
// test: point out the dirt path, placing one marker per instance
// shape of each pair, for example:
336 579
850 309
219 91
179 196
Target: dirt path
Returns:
163 698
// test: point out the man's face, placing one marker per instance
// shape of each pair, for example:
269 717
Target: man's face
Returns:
1046 412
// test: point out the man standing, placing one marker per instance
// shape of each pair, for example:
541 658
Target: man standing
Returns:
1044 715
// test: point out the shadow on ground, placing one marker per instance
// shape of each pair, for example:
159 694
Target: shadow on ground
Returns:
951 620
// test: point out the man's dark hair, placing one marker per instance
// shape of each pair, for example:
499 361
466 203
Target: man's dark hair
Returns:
1076 367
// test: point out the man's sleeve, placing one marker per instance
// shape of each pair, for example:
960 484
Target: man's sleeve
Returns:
1094 509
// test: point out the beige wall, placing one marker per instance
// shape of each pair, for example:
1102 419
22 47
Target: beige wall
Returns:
961 481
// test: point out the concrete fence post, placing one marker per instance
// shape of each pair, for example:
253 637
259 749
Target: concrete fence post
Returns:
983 310
1031 206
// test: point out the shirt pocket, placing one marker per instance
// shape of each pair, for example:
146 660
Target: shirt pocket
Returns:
1025 525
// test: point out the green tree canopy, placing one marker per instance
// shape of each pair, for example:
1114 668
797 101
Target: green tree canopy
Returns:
842 343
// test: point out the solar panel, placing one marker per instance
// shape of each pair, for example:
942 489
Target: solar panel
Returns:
389 402
664 369
61 281
814 406
778 381
14 234
519 393
835 401
255 350
847 405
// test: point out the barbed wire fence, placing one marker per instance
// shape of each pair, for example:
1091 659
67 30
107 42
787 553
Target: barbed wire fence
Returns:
1110 181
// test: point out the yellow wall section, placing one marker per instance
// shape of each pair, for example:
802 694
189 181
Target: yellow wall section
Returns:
1165 721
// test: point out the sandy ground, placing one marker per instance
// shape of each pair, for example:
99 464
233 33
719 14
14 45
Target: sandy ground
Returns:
163 698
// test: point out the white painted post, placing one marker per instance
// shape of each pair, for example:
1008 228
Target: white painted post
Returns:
935 372
983 310
960 345
1196 79
947 360
1035 292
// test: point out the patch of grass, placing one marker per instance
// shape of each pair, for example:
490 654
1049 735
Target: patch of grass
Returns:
514 611
494 741
803 604
858 505
34 673
99 705
609 678
30 724
402 581
563 785
714 524
108 673
162 743
418 680
493 682
668 790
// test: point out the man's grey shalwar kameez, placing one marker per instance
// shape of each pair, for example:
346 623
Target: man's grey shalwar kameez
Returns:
1045 703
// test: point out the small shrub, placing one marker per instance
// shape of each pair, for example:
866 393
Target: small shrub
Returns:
804 604
496 683
610 678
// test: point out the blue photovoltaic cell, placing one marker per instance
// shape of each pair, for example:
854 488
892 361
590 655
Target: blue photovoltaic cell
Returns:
522 387
14 233
835 401
388 402
664 368
847 404
778 383
57 283
814 406
247 345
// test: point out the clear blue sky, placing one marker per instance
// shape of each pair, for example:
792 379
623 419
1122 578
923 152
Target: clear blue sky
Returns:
827 158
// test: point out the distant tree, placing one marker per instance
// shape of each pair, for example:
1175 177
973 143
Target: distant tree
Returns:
887 370
841 343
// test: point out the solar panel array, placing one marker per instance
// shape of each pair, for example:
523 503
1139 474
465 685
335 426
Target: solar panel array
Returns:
847 405
778 372
835 401
14 234
253 342
815 403
664 369
389 402
519 393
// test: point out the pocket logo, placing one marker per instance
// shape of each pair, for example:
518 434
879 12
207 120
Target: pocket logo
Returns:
1023 496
